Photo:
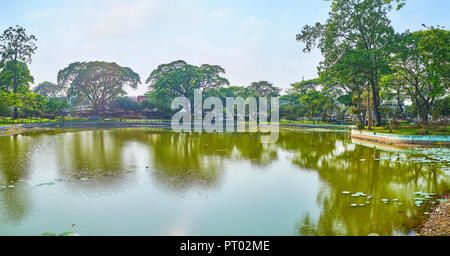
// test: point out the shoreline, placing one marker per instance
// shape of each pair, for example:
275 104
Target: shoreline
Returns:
18 128
402 140
438 222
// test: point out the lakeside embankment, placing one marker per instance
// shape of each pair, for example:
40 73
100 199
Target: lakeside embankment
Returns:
25 127
403 140
438 223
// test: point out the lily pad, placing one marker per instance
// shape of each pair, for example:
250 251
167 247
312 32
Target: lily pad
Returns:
355 195
48 234
346 192
11 186
69 234
84 179
46 184
353 205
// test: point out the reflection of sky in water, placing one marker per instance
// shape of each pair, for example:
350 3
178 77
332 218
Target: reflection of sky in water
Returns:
144 182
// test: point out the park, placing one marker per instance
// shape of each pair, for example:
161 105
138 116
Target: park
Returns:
360 148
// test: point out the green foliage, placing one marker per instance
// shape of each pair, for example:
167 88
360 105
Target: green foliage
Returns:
125 104
56 106
146 104
48 89
100 82
16 45
178 78
421 66
264 89
15 76
181 79
355 42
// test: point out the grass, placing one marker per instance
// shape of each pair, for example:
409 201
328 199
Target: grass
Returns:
34 120
9 121
307 122
408 130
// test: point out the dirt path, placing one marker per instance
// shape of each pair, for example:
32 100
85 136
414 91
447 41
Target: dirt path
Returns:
438 224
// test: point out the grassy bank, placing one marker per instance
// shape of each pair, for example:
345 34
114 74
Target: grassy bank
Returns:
9 121
309 122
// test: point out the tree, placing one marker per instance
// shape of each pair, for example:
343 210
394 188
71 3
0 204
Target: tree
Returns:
15 77
16 49
146 104
16 45
125 104
48 90
181 79
306 85
264 89
421 65
6 103
178 78
358 25
311 103
100 82
56 106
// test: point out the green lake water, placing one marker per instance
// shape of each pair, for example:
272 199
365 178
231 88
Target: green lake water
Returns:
141 181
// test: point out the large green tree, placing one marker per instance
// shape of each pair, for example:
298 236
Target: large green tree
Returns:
355 25
15 77
264 89
421 67
100 82
16 49
179 78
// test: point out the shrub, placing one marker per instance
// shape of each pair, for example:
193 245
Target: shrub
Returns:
441 129
422 131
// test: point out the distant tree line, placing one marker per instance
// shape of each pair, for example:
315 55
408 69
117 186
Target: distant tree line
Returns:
367 63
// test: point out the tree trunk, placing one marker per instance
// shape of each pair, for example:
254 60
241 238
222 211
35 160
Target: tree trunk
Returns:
369 111
423 115
15 112
376 102
402 111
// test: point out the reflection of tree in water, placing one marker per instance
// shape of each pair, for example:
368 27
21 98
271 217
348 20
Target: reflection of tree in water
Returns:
309 147
91 152
15 204
182 160
185 160
363 170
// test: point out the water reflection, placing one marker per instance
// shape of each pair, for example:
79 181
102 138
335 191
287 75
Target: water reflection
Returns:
180 162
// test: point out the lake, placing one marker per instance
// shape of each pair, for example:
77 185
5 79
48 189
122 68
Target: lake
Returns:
142 181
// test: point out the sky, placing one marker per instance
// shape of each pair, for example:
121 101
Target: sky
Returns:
251 40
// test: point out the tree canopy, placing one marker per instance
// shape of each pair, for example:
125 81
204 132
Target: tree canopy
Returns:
355 28
48 89
100 82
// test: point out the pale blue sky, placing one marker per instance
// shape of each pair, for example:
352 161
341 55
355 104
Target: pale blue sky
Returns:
252 40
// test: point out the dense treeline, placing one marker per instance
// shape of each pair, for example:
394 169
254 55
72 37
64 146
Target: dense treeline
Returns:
370 74
366 61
